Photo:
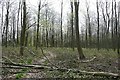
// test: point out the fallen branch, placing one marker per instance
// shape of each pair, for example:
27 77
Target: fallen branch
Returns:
47 58
85 61
106 74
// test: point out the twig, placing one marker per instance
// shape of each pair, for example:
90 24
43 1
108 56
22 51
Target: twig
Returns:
85 61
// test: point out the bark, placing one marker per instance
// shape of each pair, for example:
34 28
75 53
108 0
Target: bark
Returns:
14 42
116 27
2 27
97 25
7 23
86 35
26 38
61 24
89 26
112 31
37 40
22 41
18 23
80 52
53 32
118 48
46 15
72 36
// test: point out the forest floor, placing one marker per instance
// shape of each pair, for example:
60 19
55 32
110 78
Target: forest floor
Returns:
105 61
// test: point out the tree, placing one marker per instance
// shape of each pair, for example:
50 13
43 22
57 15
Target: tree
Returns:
37 40
53 32
2 27
97 25
46 15
80 52
86 34
13 30
116 23
89 25
118 37
71 19
7 23
112 31
18 23
61 24
23 29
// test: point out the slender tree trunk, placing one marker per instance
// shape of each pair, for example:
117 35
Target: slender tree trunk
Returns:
118 49
112 31
89 27
2 27
46 27
18 24
86 35
72 38
53 32
22 41
61 24
7 23
81 55
14 42
37 40
116 27
98 47
26 38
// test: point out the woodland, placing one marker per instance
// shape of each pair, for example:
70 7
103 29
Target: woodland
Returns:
40 43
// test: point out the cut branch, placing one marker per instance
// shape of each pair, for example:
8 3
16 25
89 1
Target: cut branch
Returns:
106 74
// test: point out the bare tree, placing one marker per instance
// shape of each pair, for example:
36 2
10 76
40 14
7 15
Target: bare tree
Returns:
23 29
116 23
61 23
37 40
2 27
72 36
81 55
53 32
112 31
13 30
46 26
18 23
89 25
98 25
118 37
7 23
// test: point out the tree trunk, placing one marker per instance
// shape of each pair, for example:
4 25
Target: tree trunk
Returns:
61 24
116 27
72 38
53 32
118 49
7 23
2 27
86 35
98 25
14 42
18 24
112 31
81 55
46 27
89 26
37 40
22 41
